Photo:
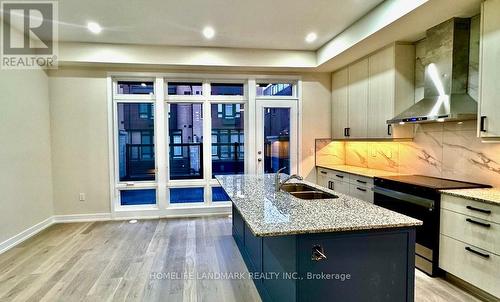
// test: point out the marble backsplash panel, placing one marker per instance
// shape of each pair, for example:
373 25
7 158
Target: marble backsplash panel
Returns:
448 150
329 153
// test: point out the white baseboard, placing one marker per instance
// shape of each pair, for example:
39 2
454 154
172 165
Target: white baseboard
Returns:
24 235
82 217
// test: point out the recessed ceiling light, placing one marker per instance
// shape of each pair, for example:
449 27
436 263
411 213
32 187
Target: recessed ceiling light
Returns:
94 27
208 32
311 37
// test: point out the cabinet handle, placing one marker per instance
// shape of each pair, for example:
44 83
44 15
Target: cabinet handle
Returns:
331 185
476 252
345 132
389 130
348 132
361 182
364 190
339 176
318 253
322 172
482 124
486 225
478 210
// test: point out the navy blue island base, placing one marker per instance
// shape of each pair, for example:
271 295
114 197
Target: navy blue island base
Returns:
370 265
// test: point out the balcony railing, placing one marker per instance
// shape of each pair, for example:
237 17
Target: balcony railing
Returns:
139 162
186 161
228 158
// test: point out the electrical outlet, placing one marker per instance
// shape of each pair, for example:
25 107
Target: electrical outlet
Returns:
82 196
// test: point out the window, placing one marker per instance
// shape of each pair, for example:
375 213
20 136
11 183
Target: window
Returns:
137 197
227 139
185 122
186 195
179 88
274 89
218 195
226 89
135 143
129 87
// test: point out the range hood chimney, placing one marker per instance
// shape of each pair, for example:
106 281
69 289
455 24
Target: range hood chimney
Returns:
446 75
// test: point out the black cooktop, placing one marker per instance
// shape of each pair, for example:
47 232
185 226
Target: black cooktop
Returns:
433 182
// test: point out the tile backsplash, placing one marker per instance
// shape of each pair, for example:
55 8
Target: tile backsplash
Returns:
449 150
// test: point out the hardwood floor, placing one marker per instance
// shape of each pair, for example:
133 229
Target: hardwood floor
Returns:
118 261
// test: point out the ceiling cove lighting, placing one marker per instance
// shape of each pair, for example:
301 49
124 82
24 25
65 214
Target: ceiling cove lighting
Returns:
94 28
311 37
208 32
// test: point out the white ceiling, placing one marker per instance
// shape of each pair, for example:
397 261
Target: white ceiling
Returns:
270 24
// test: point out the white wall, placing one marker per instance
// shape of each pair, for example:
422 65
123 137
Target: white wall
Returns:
78 109
25 170
316 118
79 135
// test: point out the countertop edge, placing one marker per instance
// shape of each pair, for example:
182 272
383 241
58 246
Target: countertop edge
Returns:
466 196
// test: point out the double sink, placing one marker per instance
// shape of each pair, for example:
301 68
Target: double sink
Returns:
304 191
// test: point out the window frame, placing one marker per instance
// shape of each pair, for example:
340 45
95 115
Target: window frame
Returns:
160 98
294 95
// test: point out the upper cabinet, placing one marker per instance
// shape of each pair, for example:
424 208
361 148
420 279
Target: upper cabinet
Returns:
339 103
489 100
358 99
371 91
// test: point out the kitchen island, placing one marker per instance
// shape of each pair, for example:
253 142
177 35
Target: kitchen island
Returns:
340 249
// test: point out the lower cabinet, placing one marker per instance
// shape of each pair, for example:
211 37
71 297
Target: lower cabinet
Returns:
345 183
361 192
469 246
474 265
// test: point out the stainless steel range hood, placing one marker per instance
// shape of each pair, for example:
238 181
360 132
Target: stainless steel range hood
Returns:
446 75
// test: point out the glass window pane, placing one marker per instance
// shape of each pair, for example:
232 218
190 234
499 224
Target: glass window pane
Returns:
276 139
186 195
226 89
135 143
181 88
136 197
218 194
185 124
129 87
274 89
227 139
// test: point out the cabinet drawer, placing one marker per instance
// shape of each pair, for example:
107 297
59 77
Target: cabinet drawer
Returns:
459 259
338 175
338 186
361 180
361 192
472 208
481 233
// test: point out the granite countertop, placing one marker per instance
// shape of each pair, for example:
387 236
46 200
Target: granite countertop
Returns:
270 213
359 170
486 195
